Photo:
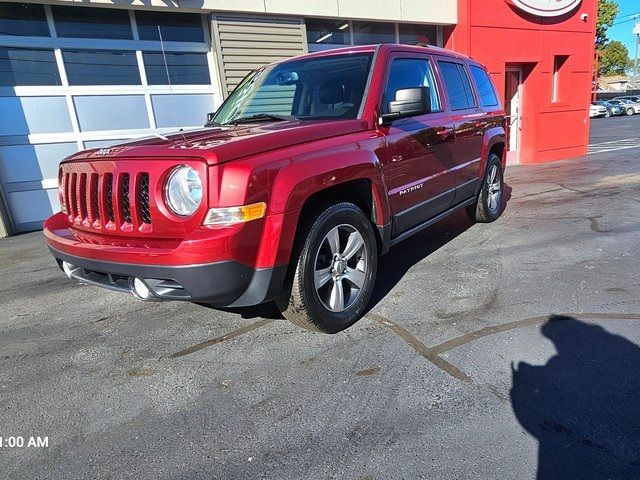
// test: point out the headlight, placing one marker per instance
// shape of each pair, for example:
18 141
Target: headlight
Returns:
183 191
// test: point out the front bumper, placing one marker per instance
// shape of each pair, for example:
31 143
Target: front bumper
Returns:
223 267
223 284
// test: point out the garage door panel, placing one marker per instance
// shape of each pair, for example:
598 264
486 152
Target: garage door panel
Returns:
102 143
111 112
28 163
192 110
34 205
32 115
70 80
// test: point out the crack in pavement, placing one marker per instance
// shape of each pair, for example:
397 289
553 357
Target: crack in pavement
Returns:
427 352
223 338
594 225
433 353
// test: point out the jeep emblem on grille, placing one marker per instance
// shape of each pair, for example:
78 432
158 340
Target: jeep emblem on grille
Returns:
104 151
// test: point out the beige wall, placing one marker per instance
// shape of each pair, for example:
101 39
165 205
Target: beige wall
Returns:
418 11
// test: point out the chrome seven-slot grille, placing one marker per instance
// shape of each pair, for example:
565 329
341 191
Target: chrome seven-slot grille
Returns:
90 200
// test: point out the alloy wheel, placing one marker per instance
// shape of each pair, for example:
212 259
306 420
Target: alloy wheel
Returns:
494 188
340 267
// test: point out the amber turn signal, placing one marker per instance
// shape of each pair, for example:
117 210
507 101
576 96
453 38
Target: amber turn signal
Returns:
231 215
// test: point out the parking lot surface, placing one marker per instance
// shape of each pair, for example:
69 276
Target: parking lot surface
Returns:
499 351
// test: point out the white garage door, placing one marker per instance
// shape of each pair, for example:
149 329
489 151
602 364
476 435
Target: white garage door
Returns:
74 77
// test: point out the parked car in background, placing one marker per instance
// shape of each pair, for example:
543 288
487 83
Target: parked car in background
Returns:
630 108
597 111
309 170
612 110
633 98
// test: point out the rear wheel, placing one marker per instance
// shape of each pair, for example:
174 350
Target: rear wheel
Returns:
630 111
335 271
488 205
608 114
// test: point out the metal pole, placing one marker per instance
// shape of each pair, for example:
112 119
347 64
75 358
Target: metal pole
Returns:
636 32
635 65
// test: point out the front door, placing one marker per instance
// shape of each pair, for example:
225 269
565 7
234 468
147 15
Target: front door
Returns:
418 156
512 103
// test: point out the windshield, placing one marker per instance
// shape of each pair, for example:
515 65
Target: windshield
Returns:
328 87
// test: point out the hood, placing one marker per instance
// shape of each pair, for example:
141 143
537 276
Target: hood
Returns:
222 144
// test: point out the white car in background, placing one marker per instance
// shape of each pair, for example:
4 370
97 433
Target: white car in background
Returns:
596 111
630 107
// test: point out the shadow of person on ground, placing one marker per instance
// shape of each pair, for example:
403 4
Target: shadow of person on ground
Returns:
583 405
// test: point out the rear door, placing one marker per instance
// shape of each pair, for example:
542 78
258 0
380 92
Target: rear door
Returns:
469 124
418 158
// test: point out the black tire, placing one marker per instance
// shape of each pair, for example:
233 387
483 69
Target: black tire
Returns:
483 210
301 302
630 111
608 114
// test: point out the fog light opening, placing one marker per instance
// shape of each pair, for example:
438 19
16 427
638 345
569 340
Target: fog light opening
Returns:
66 268
140 289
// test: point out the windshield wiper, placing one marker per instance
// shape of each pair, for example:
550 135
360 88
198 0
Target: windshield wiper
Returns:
261 117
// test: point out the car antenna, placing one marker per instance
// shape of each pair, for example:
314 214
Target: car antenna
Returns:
173 100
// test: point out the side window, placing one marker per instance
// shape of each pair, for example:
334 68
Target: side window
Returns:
410 73
488 96
458 86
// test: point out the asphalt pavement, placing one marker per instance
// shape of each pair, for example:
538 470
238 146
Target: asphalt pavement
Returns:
499 351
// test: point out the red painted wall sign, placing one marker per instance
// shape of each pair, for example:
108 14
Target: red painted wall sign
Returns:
546 8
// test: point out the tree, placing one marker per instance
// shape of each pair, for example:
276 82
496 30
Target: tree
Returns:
607 12
614 59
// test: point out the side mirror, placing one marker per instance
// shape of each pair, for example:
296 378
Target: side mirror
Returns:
210 116
408 102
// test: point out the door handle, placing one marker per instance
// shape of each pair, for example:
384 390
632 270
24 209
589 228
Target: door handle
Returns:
445 133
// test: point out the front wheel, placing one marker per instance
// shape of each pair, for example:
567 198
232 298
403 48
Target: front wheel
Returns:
488 205
630 111
608 114
335 271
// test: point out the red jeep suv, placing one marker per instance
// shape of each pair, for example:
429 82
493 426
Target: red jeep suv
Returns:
311 169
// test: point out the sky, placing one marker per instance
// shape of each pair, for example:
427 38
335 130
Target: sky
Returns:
622 28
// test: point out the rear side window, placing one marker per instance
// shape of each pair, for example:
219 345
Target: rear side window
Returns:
410 73
458 86
488 96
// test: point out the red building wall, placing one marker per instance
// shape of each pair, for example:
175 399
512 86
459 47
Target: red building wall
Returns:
499 34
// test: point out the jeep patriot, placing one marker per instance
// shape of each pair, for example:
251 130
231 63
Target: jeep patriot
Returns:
312 168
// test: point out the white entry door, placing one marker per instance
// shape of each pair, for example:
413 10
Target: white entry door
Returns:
513 94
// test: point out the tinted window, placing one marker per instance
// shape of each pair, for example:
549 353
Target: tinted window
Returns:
488 96
184 68
418 34
23 66
82 22
325 34
408 73
365 33
458 85
23 19
101 67
175 27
